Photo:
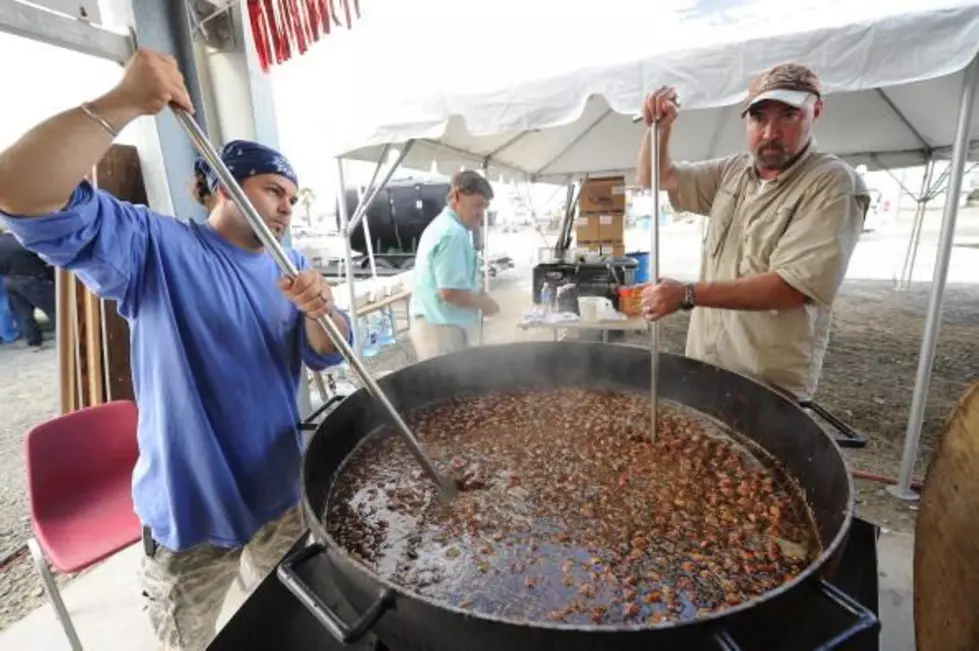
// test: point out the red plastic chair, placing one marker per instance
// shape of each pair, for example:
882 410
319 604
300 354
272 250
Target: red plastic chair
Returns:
79 475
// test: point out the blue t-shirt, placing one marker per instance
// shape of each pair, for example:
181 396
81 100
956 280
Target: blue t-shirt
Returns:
217 351
446 259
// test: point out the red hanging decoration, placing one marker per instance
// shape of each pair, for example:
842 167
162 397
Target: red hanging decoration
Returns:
260 34
281 27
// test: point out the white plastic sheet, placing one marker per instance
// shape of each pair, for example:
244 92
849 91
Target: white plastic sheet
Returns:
547 90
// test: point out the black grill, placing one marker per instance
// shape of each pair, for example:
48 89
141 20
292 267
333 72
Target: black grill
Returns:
272 618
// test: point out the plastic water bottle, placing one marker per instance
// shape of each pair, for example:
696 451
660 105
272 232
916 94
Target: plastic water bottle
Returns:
547 297
368 327
387 335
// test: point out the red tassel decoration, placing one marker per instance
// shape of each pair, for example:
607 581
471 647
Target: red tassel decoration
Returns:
280 27
299 26
260 34
325 15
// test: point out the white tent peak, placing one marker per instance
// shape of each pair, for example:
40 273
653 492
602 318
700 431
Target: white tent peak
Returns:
892 74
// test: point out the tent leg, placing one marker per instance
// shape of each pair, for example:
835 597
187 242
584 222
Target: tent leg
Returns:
904 282
361 210
348 257
926 357
367 242
921 225
921 201
486 261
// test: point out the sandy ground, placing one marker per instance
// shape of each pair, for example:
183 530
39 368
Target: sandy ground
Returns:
868 374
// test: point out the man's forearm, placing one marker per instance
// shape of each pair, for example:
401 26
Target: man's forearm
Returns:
317 338
667 174
39 172
463 298
758 292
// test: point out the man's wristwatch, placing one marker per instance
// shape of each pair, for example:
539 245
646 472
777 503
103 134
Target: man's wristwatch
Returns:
689 300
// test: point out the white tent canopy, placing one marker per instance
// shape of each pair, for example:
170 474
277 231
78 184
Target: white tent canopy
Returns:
562 104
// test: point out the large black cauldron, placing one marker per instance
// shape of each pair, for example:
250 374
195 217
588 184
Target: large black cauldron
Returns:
407 621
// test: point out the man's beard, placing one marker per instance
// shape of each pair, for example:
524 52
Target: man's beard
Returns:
773 156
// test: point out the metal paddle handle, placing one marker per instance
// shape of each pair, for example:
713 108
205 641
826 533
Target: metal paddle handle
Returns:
278 253
654 276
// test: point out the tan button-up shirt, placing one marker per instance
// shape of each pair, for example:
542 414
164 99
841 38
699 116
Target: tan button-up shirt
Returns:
803 226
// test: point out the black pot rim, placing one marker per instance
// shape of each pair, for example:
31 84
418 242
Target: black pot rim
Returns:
316 524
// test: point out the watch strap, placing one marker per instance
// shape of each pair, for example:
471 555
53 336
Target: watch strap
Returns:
689 299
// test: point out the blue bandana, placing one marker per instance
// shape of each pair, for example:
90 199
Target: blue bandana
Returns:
245 159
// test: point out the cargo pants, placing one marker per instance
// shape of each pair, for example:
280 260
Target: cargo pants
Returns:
184 591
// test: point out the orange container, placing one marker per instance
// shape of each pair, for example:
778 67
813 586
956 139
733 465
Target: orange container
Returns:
630 300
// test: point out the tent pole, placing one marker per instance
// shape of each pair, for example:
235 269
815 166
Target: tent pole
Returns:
486 261
367 239
360 200
921 225
926 357
372 192
904 282
348 257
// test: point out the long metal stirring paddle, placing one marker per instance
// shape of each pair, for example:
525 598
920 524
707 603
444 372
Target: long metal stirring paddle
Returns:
654 277
272 245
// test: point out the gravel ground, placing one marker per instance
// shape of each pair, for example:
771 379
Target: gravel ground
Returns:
28 395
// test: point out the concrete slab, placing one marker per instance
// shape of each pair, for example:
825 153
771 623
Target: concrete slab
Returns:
107 609
895 568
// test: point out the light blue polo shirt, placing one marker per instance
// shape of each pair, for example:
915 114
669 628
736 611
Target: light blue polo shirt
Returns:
446 259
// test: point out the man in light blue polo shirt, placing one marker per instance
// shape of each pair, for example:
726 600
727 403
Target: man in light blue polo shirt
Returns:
446 298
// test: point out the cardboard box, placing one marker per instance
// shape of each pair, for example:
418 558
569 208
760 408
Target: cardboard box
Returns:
588 249
604 195
611 228
588 228
614 250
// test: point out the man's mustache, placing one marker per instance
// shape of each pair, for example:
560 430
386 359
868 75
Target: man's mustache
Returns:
775 145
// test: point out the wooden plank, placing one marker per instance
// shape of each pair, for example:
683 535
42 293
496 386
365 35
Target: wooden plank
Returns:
93 347
377 306
77 300
64 341
119 375
119 173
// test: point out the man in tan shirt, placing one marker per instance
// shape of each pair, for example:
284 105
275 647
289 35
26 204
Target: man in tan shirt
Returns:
784 220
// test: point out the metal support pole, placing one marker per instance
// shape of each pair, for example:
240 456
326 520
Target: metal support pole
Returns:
926 357
348 259
367 240
285 263
654 278
915 222
362 206
486 262
907 271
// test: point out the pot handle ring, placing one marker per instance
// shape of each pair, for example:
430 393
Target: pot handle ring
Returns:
850 437
342 631
309 424
866 620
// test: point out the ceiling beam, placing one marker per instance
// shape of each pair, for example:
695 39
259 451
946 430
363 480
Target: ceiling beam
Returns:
56 29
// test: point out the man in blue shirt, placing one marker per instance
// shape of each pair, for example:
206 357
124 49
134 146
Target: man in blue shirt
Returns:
218 339
445 297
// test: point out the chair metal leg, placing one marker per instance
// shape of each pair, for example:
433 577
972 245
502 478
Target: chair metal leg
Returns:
54 594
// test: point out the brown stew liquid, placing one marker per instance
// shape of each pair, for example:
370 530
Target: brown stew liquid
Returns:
570 514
